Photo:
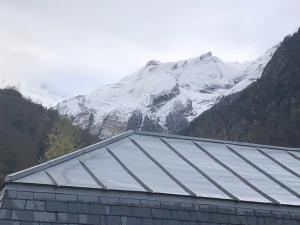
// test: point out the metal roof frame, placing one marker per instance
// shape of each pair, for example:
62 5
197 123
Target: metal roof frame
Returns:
163 138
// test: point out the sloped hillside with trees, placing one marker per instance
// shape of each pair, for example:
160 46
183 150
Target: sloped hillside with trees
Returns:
267 112
29 133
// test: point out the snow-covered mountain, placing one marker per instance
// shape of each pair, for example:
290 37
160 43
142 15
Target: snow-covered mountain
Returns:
38 93
162 96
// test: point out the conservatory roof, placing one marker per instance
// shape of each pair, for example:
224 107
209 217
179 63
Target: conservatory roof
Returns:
176 165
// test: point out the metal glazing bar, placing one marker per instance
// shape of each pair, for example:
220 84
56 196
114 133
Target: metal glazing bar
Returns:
237 175
199 170
279 163
129 171
51 178
96 179
164 169
265 173
293 155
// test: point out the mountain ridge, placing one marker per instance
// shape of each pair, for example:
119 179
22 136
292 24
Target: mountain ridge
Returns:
266 112
157 90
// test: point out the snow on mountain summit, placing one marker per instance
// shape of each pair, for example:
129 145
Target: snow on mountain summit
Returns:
38 93
159 89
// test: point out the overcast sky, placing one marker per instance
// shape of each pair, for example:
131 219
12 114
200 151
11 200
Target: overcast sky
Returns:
76 46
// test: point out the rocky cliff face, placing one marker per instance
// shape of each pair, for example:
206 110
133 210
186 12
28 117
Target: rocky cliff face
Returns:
162 96
266 112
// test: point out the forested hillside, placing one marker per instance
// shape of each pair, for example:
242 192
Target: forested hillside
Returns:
266 112
29 133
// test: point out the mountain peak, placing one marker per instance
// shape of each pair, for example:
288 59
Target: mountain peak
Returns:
206 55
153 62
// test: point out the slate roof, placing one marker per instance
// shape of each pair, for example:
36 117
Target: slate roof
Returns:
176 165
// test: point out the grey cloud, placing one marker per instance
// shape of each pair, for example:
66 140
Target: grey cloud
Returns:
97 42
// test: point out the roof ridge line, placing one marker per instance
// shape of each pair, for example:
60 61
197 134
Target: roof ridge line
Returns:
216 140
64 158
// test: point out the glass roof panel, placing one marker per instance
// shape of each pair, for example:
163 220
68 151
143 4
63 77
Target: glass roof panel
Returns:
36 178
109 171
295 153
284 158
270 167
72 173
252 175
144 168
217 172
187 175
